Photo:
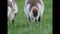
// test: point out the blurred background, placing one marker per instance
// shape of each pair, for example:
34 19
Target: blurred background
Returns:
20 25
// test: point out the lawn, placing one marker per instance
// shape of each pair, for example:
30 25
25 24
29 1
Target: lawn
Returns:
20 25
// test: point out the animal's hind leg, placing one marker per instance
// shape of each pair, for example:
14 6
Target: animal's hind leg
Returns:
14 19
29 19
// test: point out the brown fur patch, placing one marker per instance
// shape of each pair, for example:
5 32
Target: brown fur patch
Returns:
35 12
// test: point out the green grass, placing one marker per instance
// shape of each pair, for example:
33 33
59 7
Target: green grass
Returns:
20 25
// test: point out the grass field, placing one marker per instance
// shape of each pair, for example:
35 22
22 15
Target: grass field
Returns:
20 25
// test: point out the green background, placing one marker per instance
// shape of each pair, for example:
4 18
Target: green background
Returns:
20 25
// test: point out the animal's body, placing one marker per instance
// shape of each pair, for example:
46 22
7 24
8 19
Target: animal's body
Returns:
12 10
34 9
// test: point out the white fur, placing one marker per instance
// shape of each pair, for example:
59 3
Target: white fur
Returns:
12 13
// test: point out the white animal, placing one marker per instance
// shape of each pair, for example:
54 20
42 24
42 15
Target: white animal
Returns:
34 9
12 10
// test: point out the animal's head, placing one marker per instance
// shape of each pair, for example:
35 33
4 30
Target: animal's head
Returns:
35 13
